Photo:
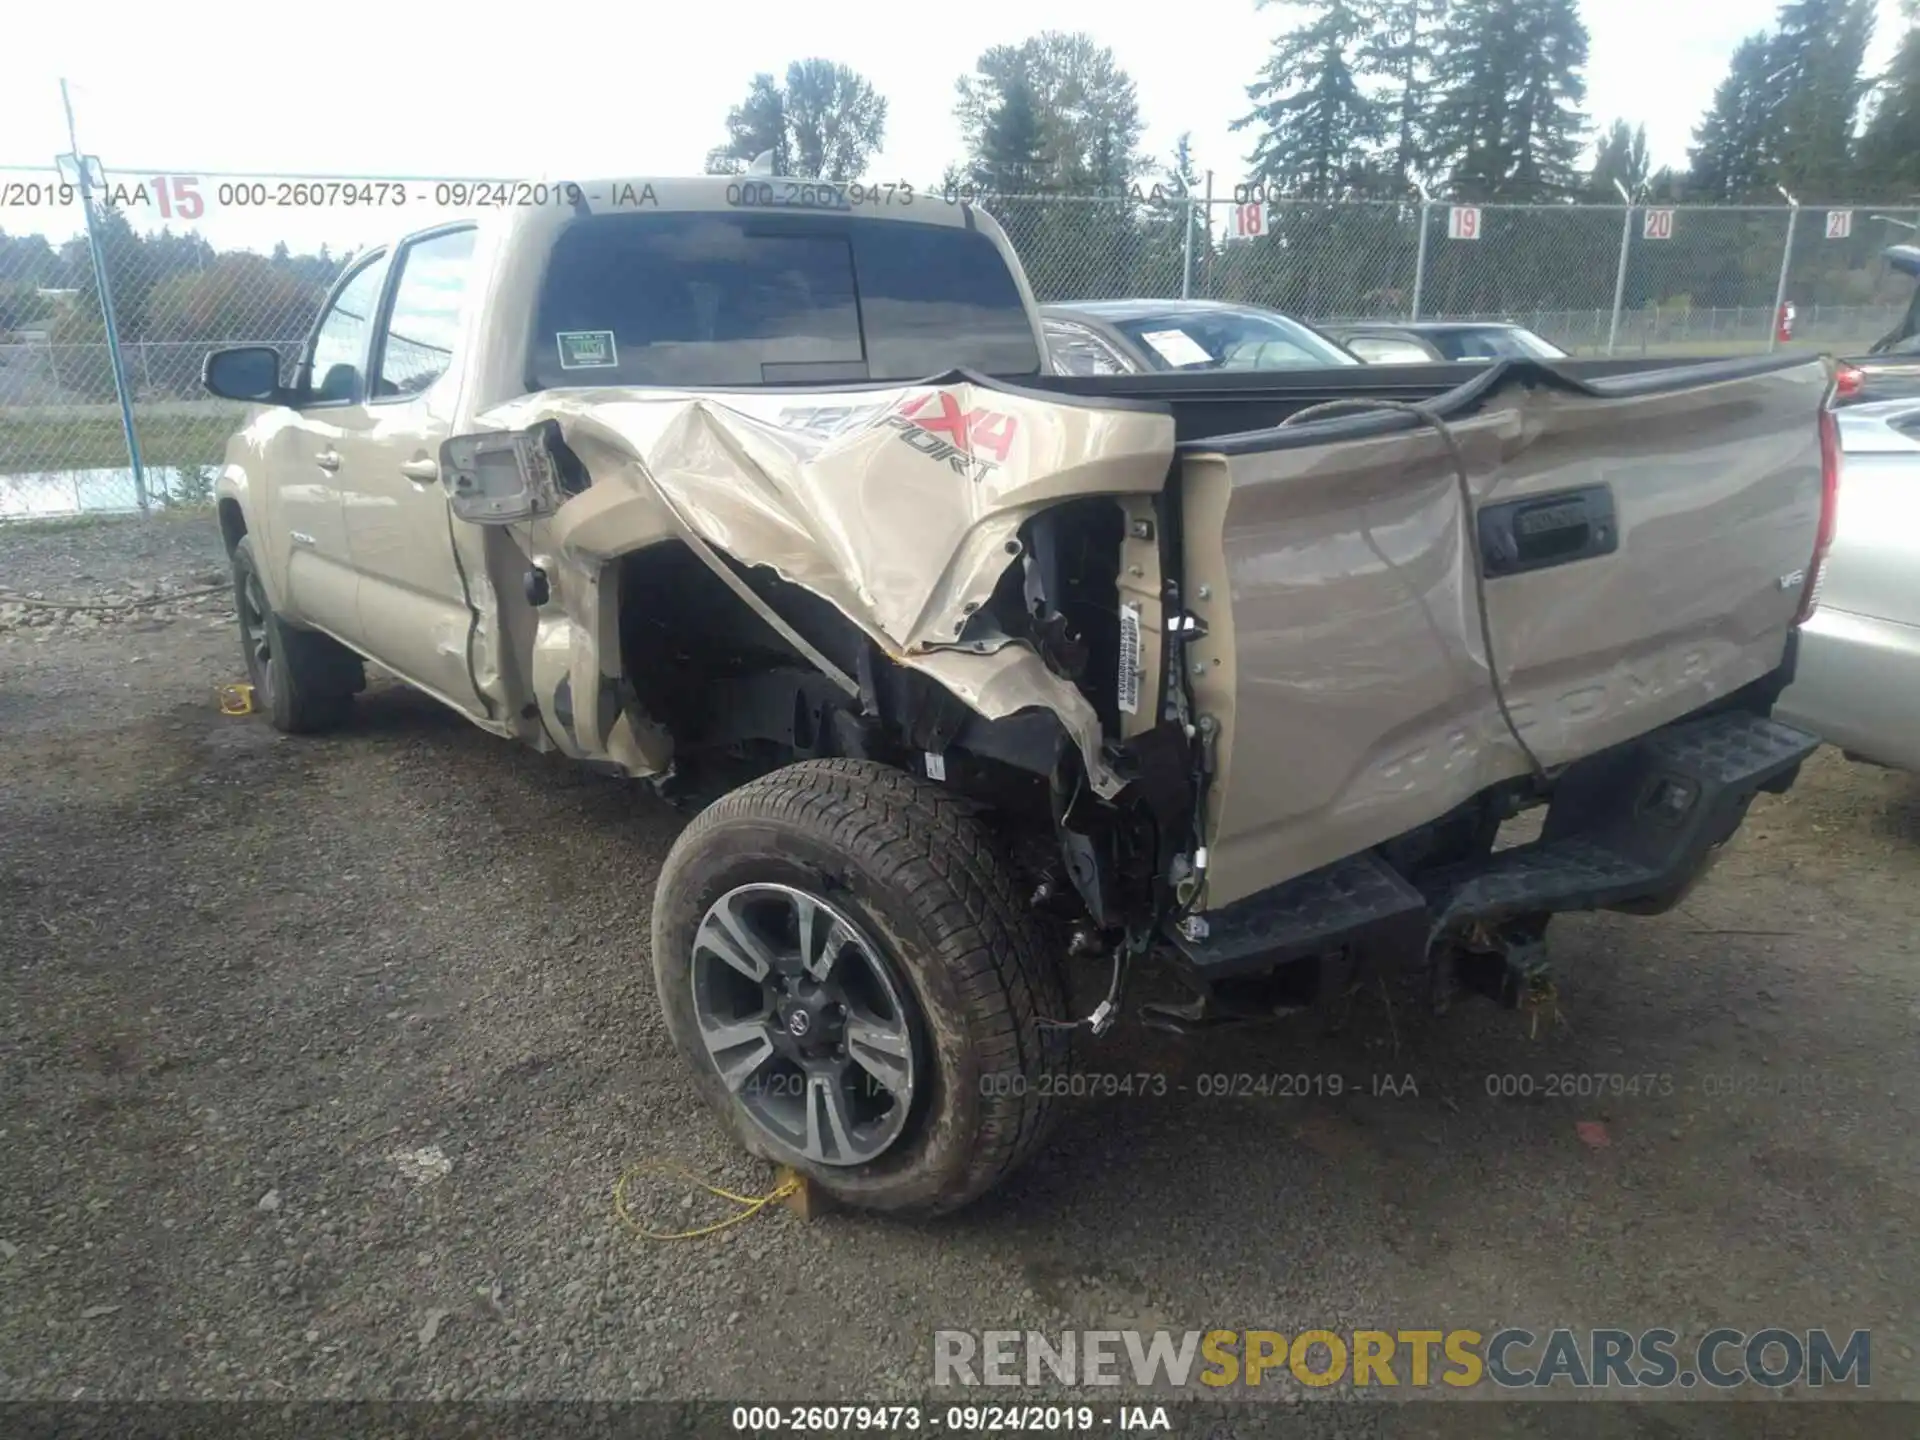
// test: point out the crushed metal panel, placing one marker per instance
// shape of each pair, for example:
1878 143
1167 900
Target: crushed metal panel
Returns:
899 506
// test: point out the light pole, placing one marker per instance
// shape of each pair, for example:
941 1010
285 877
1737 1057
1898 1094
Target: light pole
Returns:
1420 251
1620 272
84 167
1786 259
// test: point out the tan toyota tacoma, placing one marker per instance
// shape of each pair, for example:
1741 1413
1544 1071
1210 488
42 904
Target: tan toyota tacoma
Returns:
764 491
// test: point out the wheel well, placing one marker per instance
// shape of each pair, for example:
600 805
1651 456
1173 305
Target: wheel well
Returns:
729 687
232 523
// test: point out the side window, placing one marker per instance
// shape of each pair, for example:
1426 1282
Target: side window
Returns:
1386 350
335 369
425 320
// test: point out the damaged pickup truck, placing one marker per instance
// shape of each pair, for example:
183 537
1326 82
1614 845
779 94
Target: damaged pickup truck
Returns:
975 674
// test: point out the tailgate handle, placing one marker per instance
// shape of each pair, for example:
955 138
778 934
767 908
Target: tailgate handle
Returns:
1545 530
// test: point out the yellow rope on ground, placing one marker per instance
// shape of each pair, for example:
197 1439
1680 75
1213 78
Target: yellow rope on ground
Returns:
751 1205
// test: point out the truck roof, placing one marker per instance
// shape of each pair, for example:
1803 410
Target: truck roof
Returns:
867 201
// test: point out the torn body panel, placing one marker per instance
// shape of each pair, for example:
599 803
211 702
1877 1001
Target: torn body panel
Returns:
1348 674
900 507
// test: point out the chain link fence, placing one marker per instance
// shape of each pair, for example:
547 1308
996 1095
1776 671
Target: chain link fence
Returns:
193 262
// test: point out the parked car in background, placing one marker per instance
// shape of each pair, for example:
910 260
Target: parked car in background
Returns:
1429 342
1890 370
1858 683
1141 337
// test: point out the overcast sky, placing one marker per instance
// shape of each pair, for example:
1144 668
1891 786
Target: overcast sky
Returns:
610 89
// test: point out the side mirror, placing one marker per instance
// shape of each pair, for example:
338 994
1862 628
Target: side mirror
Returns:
244 372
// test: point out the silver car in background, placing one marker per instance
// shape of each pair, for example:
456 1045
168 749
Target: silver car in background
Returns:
1858 681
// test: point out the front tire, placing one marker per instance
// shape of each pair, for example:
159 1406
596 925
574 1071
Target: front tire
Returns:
302 681
871 906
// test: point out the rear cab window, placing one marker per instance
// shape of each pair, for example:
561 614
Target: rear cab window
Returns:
705 300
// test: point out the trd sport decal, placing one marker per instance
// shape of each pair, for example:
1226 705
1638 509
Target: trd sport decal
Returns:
954 435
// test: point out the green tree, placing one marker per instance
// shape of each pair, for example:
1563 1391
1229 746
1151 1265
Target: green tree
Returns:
1507 122
1317 129
825 122
1622 156
1399 55
1163 252
1735 154
1056 113
1085 105
1889 153
1009 154
1819 50
238 297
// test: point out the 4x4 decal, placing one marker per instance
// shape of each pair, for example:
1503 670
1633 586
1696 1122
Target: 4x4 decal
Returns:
964 439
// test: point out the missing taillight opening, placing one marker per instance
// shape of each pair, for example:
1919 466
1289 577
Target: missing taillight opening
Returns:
1829 508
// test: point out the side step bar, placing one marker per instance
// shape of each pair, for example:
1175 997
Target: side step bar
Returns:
1629 828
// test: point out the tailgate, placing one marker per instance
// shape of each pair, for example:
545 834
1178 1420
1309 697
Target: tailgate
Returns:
1646 540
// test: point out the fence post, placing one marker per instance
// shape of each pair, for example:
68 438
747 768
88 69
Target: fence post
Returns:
1206 206
1620 272
106 306
1186 250
1420 255
1786 259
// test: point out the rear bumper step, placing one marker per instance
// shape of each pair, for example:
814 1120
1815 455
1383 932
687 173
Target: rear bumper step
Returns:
1628 828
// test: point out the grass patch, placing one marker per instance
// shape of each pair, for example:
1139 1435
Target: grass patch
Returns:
37 443
105 520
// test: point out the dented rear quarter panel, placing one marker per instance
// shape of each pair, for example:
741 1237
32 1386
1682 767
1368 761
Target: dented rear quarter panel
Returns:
860 497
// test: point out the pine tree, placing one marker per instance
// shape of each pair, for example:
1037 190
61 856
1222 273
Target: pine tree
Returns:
1735 154
1622 156
1008 153
1549 126
1889 151
1399 54
1818 51
1508 119
1317 127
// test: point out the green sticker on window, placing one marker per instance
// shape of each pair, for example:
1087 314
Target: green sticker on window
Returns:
587 350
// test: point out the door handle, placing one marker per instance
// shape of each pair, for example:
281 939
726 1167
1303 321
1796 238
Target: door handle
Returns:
327 460
425 471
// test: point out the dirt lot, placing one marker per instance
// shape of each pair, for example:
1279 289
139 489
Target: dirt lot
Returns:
322 1059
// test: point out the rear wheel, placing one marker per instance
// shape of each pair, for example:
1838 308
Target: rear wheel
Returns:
302 681
842 956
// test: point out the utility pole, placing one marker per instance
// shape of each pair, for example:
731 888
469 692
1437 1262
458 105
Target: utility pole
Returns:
1620 272
85 181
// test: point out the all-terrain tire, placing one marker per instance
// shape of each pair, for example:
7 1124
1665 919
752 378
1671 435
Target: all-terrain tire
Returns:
927 881
302 681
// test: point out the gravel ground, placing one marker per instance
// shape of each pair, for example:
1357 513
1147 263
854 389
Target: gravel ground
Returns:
323 1058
